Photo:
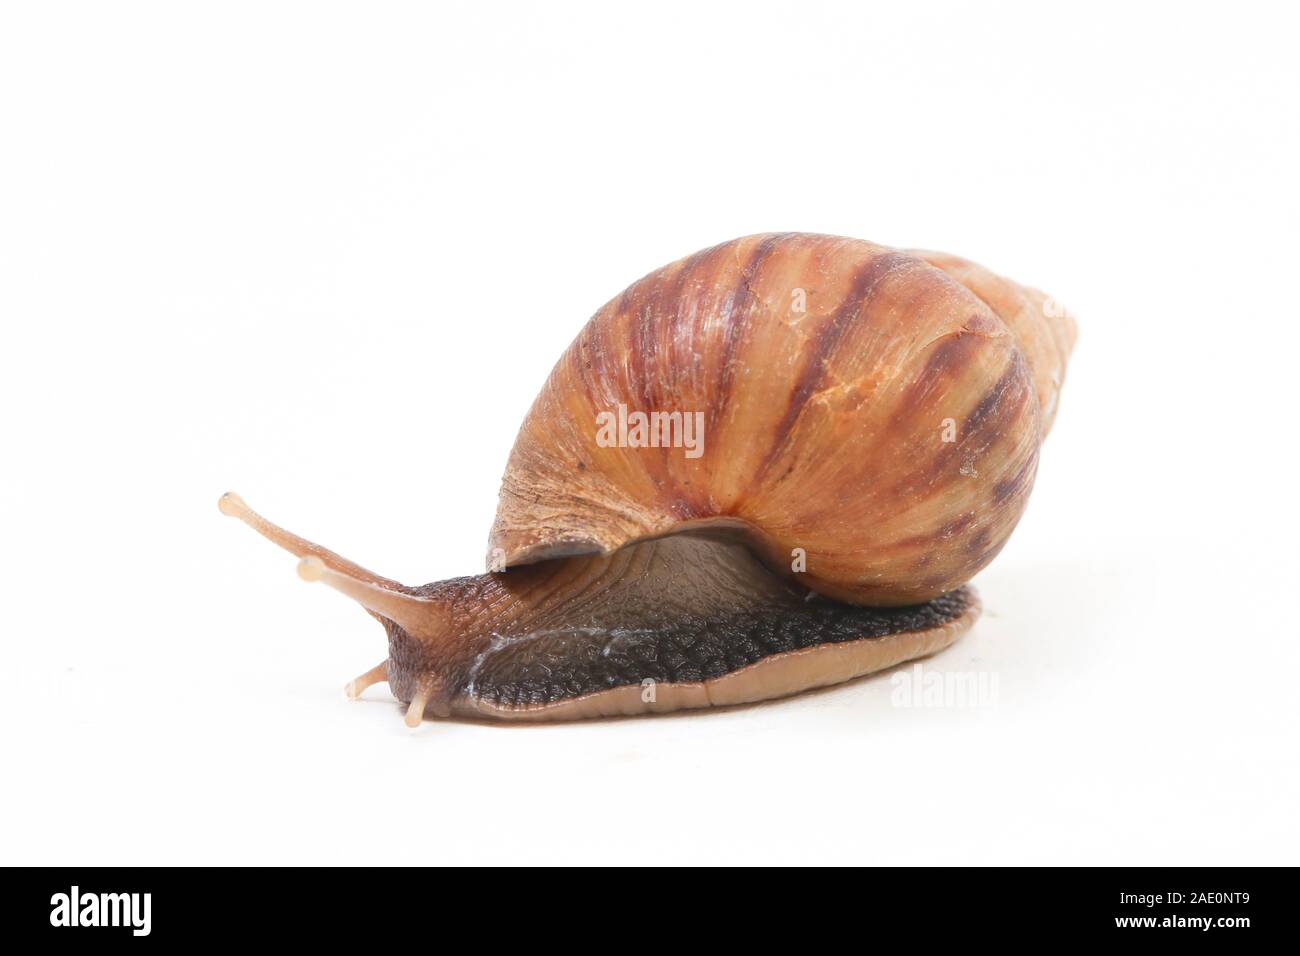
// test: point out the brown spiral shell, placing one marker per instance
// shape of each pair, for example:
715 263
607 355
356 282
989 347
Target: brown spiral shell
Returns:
824 428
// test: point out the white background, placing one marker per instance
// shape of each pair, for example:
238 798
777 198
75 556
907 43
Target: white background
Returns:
325 255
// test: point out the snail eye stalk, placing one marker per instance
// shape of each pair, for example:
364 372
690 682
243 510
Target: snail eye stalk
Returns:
382 597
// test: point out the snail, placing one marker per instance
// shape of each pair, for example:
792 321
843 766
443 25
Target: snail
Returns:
771 466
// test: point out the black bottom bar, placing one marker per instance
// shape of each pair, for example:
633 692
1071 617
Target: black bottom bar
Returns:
415 907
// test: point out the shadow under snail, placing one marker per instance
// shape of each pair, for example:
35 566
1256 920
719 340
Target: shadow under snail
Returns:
868 429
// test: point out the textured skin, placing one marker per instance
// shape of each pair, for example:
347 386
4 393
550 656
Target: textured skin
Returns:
680 609
548 667
825 369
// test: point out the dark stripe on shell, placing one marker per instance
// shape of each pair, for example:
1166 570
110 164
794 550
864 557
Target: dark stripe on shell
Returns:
813 371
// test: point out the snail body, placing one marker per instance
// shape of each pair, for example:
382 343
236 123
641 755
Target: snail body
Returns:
770 466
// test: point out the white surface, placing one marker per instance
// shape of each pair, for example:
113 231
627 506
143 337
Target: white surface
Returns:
326 255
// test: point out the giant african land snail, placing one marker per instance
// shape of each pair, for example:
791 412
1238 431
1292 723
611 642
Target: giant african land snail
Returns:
875 413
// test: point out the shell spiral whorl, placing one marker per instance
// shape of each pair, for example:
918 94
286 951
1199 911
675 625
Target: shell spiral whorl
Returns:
879 409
